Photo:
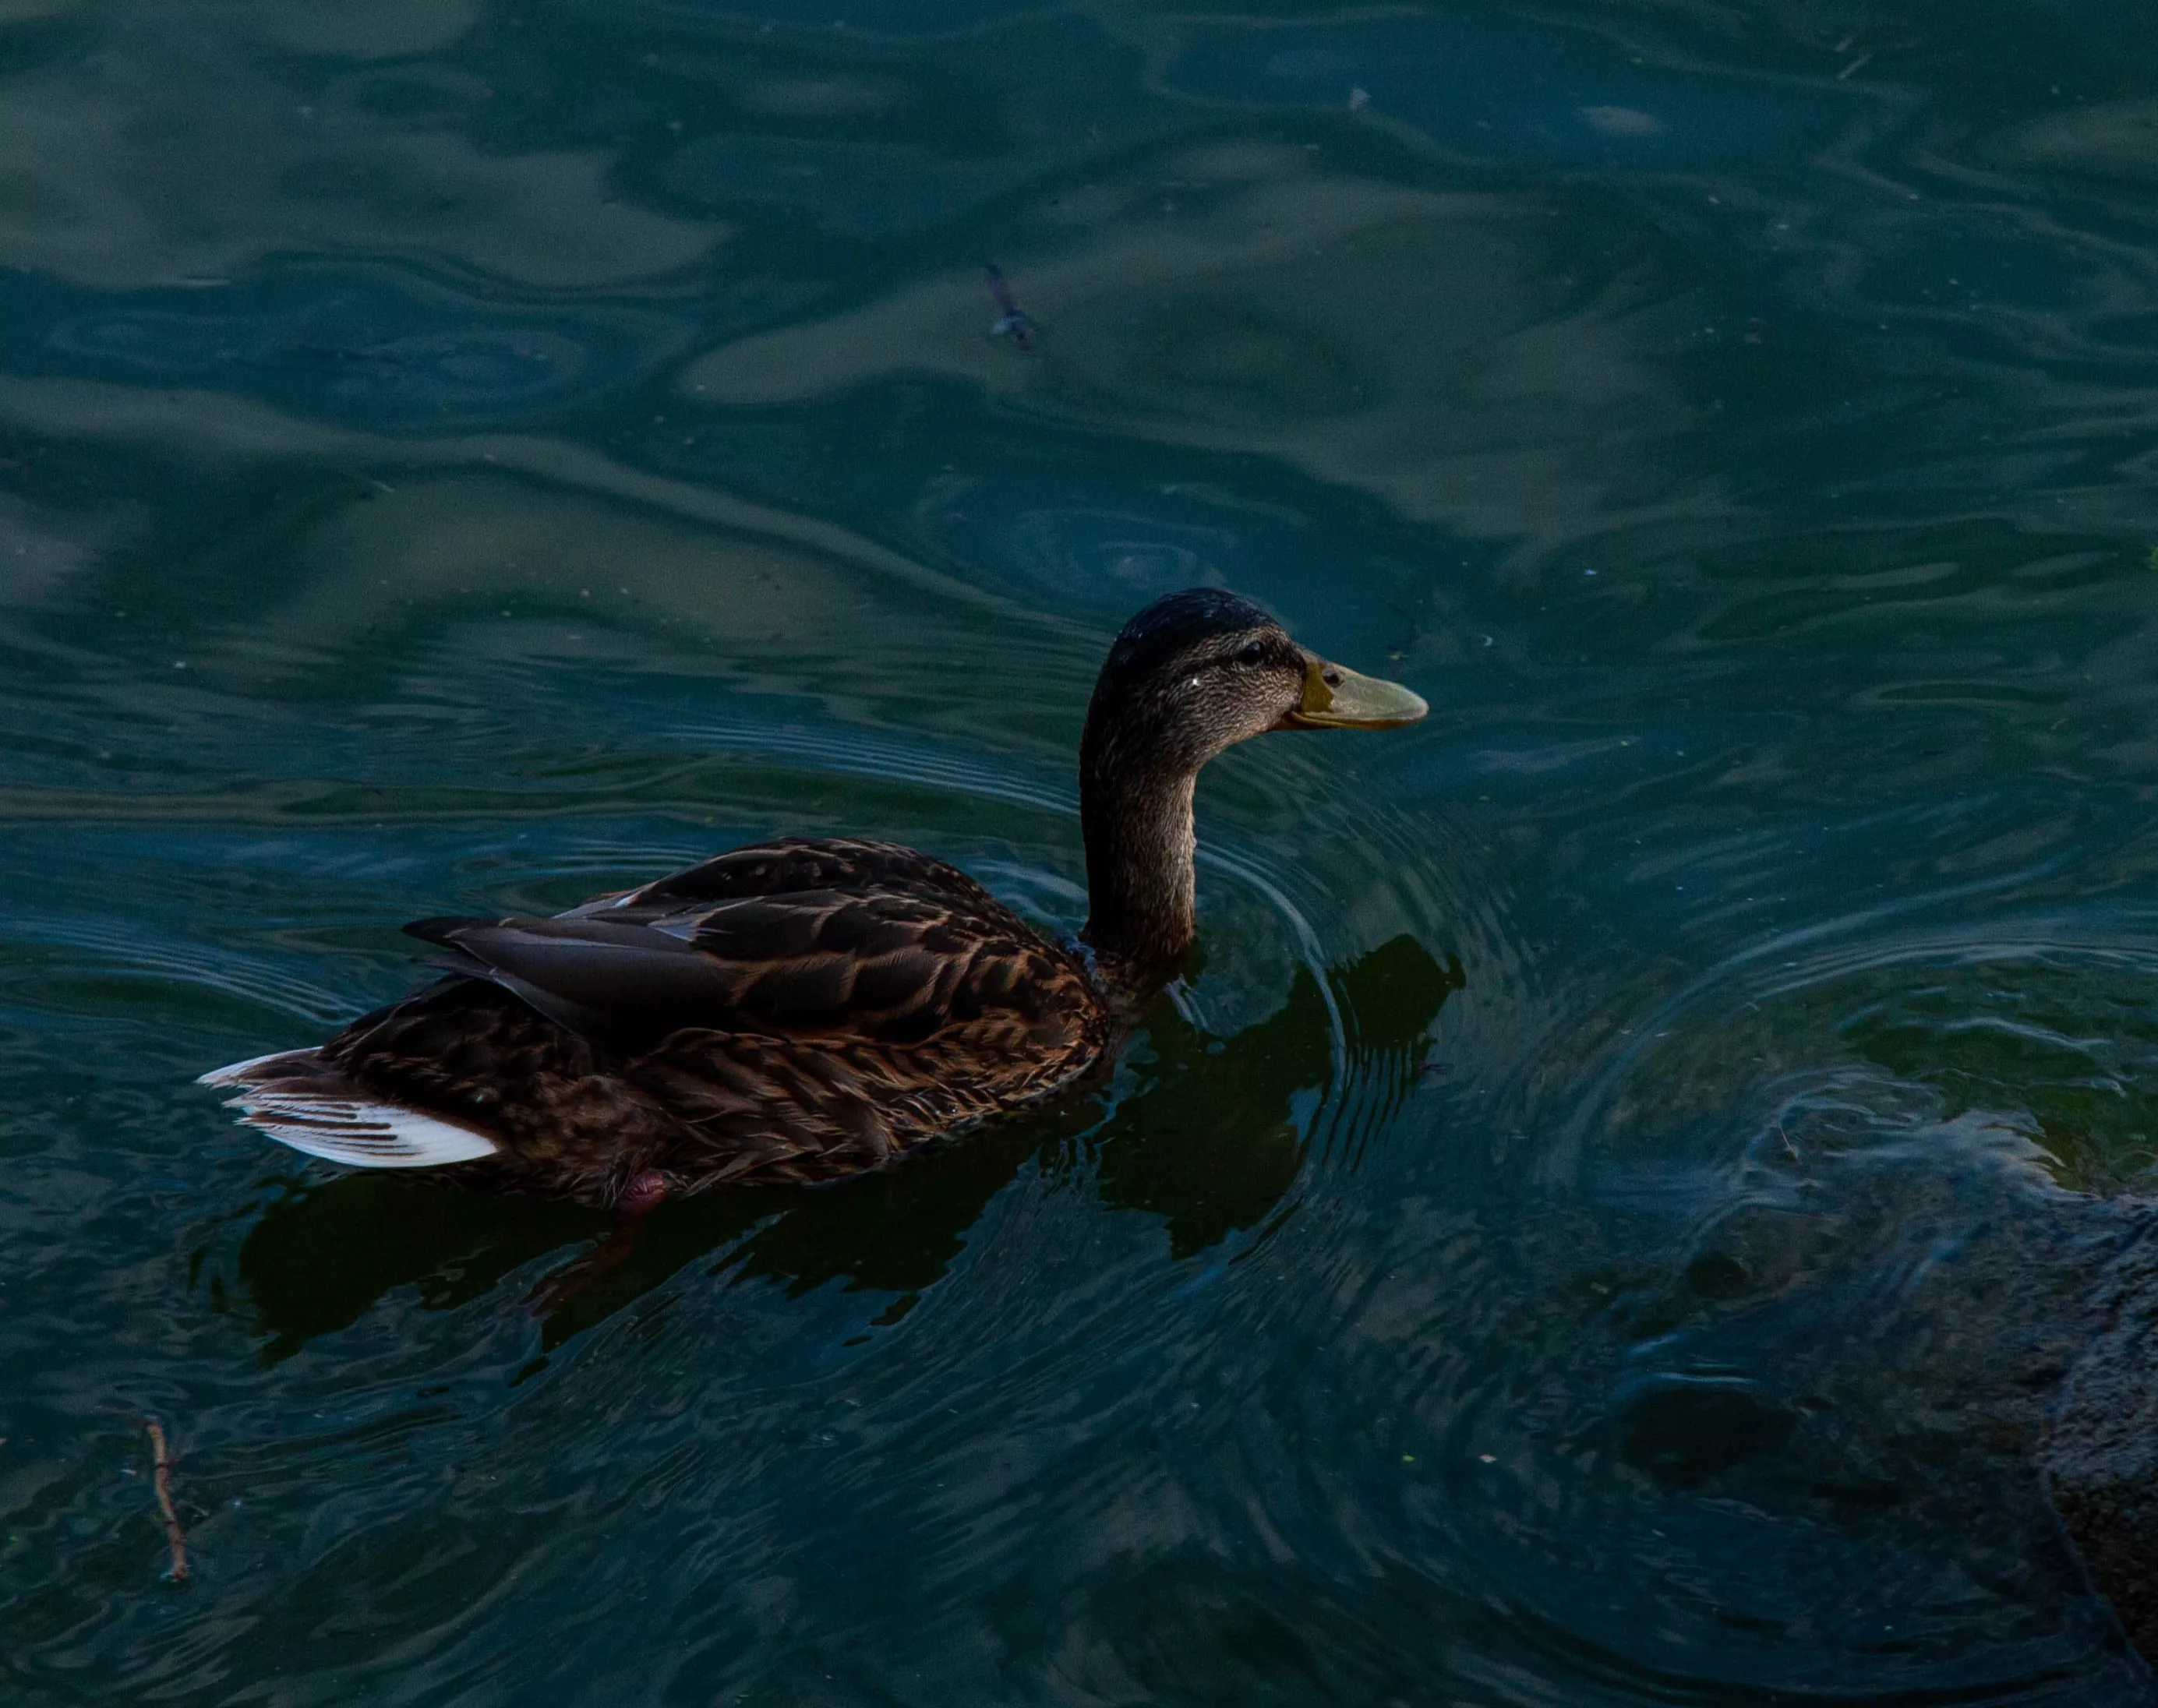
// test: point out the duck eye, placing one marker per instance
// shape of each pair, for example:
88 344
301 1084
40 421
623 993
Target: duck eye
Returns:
1251 652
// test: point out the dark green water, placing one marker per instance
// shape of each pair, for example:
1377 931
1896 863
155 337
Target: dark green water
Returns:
1605 1222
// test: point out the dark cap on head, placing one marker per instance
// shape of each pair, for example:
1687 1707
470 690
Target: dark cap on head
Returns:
1175 620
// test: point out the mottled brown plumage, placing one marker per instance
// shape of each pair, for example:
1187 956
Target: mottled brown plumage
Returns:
801 1011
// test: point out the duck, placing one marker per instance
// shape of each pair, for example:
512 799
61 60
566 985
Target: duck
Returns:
804 1009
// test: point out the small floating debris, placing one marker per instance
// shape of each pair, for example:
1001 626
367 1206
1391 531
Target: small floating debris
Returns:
1359 98
1013 322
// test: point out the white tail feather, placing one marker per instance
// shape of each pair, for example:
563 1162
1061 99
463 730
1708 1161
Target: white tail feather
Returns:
365 1135
327 1119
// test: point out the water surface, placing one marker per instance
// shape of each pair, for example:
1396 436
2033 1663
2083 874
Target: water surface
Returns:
1605 1221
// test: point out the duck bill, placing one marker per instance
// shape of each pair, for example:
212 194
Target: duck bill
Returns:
1336 697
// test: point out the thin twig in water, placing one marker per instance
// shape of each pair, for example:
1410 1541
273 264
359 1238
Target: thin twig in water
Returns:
1788 1145
163 1478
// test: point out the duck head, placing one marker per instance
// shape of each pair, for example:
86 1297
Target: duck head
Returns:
1189 676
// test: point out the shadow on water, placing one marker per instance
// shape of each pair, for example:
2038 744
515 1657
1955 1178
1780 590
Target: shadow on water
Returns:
1210 1141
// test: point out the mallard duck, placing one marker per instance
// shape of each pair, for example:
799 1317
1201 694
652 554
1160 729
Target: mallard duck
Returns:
801 1011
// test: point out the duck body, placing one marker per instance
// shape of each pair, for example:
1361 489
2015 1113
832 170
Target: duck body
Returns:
789 1012
802 1010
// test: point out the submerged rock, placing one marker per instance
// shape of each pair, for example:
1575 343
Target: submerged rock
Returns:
2101 1454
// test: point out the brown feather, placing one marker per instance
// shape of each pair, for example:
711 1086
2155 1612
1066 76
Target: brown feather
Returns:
828 1006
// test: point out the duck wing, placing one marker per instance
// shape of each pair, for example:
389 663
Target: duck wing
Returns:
828 942
788 865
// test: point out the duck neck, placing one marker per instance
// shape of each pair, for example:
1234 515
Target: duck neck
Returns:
1141 916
